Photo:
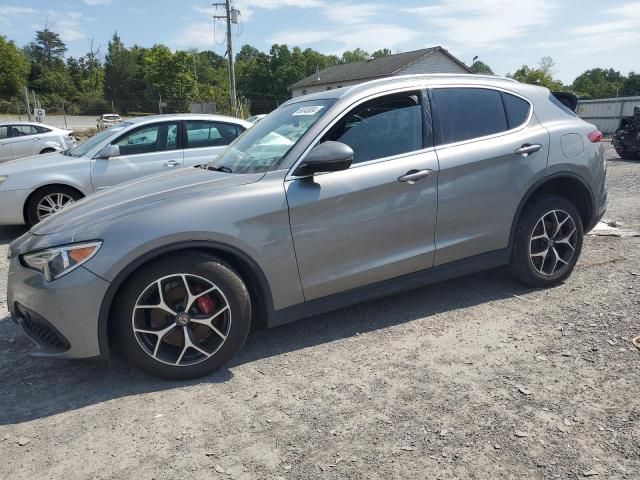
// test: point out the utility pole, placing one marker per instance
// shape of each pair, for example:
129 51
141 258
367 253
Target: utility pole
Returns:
231 16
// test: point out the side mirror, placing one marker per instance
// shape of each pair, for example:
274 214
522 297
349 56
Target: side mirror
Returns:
326 157
109 151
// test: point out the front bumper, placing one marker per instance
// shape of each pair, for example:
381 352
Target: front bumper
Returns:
12 206
61 317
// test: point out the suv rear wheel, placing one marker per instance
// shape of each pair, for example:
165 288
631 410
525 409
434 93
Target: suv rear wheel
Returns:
548 242
183 316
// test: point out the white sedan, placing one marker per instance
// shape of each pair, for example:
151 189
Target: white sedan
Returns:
22 139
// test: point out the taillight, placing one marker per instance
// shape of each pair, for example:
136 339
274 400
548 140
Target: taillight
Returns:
595 136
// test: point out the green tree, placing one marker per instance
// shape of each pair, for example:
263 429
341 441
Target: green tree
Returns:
383 52
538 76
631 85
123 78
48 49
170 76
352 56
482 68
599 83
14 69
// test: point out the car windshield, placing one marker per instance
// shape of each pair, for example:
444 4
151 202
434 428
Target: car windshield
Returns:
81 149
268 141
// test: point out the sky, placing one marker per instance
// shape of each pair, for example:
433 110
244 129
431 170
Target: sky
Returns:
505 34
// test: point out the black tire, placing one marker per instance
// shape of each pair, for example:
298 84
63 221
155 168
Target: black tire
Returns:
39 195
196 264
47 150
522 263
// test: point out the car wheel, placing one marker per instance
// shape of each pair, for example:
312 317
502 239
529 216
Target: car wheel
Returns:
49 200
548 242
183 316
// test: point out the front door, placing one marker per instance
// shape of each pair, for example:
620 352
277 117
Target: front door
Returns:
144 150
376 220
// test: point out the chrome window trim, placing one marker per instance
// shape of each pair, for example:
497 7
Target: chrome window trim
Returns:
345 111
520 127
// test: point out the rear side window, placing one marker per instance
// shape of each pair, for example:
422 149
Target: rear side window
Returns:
42 129
516 108
466 113
210 134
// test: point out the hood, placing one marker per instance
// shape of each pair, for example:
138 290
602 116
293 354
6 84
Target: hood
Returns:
136 193
36 162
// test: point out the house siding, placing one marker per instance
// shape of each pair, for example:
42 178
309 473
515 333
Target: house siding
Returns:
436 62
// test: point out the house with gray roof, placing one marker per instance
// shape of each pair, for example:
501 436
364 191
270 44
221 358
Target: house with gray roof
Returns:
426 60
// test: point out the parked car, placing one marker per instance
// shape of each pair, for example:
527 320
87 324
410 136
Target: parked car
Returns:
33 188
355 193
21 139
256 118
107 120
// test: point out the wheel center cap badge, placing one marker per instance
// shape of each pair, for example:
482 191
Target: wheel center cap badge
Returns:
183 319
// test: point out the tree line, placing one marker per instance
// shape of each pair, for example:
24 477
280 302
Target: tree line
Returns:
135 79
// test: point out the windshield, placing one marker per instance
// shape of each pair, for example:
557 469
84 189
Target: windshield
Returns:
268 141
81 149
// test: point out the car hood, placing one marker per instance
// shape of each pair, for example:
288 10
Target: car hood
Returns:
36 162
161 187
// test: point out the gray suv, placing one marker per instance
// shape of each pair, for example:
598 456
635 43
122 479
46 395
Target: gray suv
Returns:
332 199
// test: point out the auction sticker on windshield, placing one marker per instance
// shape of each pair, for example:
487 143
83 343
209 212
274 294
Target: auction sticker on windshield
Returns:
310 110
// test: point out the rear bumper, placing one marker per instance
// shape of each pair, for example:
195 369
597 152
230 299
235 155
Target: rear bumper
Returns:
12 206
61 317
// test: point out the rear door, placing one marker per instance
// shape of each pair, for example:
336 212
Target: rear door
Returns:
145 150
491 149
5 144
371 222
205 139
25 140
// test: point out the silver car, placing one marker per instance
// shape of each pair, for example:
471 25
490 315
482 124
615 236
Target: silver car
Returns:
22 139
34 188
334 198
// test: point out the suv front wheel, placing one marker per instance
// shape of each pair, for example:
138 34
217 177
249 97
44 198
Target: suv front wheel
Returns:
182 316
548 242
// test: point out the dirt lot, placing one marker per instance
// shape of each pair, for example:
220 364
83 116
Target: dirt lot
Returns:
475 378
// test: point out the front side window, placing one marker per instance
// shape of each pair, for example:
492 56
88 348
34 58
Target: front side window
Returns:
210 134
149 138
265 144
466 113
381 128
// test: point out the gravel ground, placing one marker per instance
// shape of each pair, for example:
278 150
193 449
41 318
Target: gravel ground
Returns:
474 378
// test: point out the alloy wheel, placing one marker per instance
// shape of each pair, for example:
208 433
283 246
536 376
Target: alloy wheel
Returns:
181 319
553 243
52 203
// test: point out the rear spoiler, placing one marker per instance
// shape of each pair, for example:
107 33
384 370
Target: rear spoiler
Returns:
569 100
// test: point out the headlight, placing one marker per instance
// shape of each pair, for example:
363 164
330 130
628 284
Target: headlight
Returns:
2 179
55 262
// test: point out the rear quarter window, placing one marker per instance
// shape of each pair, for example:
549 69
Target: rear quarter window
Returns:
516 108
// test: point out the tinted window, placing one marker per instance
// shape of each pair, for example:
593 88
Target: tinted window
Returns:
466 113
516 108
42 129
149 138
4 132
210 134
383 128
561 106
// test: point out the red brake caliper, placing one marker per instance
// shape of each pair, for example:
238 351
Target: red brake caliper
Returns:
206 305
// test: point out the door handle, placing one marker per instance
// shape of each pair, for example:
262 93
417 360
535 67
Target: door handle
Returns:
171 163
527 148
412 176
